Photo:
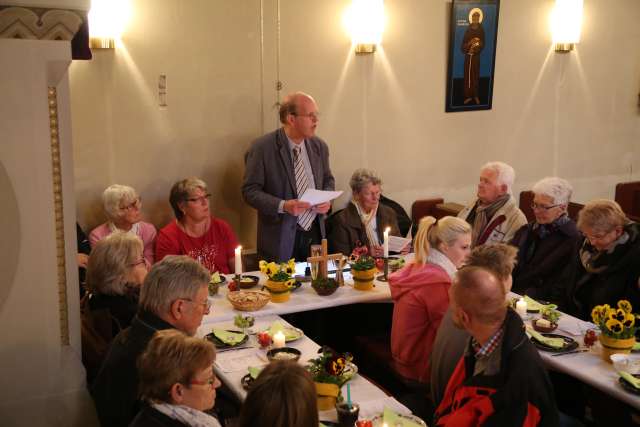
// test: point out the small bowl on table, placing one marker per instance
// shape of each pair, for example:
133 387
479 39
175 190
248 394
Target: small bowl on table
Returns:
248 281
542 328
324 287
284 353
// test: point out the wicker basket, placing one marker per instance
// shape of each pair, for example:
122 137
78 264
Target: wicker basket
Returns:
324 287
248 300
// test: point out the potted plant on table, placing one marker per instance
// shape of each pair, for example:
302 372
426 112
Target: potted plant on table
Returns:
617 328
363 268
280 279
330 371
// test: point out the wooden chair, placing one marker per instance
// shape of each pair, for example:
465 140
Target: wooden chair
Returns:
628 197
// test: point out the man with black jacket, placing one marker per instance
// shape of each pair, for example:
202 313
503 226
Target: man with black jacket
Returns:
500 380
173 295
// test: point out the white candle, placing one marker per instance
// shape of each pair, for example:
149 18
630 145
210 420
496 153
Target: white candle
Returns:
238 260
386 242
521 307
278 339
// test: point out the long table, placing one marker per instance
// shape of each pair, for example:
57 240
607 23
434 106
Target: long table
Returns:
588 367
302 299
231 366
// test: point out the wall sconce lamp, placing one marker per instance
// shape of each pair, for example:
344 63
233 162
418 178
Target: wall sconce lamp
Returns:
364 20
566 23
107 21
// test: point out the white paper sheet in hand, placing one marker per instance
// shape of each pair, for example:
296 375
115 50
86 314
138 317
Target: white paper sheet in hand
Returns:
397 244
315 197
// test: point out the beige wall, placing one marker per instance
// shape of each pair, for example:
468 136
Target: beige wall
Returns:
574 115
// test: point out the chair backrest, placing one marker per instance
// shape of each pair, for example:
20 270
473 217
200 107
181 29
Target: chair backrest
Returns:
628 197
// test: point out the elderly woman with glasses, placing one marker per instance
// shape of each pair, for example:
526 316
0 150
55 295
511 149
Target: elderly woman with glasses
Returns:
605 265
177 381
195 231
364 220
115 271
122 206
545 244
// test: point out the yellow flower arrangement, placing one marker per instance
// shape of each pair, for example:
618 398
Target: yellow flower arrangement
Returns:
615 322
278 272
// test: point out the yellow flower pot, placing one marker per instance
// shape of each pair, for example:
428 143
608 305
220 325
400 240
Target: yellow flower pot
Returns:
279 291
363 279
614 345
327 395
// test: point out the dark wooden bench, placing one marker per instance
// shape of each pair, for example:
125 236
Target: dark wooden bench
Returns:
628 197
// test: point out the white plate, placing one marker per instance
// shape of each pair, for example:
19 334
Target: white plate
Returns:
377 420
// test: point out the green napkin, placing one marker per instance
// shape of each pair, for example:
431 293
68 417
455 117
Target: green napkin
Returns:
551 342
254 371
533 305
630 379
227 337
636 347
391 418
290 334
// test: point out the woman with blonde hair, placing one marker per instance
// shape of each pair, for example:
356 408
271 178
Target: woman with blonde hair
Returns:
177 381
283 395
420 292
123 205
605 266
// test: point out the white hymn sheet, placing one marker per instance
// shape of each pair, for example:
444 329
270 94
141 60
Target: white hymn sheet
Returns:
397 244
315 197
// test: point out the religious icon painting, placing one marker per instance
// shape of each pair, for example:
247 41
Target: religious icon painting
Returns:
473 39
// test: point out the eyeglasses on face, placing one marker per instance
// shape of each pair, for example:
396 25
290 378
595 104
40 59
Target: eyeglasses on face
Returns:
209 382
536 206
201 199
205 304
140 261
134 205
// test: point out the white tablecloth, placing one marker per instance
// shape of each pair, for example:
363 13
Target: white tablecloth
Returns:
302 299
231 366
588 367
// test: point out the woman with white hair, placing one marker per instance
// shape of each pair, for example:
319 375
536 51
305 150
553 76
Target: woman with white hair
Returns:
420 292
122 205
545 244
364 220
195 231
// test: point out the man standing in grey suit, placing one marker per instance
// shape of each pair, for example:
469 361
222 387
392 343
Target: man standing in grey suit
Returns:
279 167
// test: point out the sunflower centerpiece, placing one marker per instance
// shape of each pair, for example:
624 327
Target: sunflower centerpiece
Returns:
280 279
617 328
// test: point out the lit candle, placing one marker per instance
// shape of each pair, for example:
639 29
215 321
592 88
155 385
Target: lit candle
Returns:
278 339
238 260
521 307
386 242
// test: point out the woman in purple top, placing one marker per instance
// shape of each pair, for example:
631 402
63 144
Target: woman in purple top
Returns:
122 206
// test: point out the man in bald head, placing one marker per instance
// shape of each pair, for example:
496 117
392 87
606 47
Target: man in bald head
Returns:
500 380
279 167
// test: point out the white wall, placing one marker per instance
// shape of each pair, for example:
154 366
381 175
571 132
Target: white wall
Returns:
574 115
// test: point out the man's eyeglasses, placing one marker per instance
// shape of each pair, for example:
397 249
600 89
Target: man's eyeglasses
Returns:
535 206
200 199
312 116
134 205
205 304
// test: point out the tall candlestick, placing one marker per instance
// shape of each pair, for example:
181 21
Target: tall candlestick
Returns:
278 339
386 242
238 260
521 307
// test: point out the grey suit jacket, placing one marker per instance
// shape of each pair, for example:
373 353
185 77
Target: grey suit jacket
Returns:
269 178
